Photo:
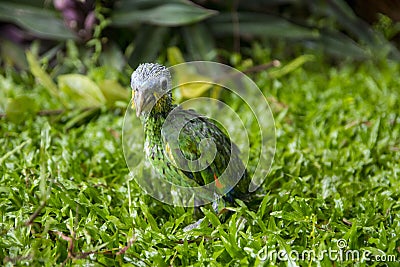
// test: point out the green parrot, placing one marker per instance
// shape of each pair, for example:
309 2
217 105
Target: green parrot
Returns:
186 148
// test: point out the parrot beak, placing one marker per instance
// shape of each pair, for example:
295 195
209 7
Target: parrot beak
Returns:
142 102
138 102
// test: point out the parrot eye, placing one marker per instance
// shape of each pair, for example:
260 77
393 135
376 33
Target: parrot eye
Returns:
164 83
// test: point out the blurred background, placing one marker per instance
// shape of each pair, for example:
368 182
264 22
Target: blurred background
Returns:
67 196
100 42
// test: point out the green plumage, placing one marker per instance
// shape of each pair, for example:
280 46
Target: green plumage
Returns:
173 137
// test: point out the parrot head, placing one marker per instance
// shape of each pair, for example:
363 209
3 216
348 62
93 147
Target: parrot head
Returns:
150 83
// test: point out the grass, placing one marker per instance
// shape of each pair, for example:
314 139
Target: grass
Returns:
66 196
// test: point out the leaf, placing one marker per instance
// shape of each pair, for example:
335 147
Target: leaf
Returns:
41 22
186 78
112 56
201 252
192 90
20 108
150 219
211 217
113 91
231 247
13 54
175 56
291 66
81 117
374 135
41 75
199 42
81 90
343 15
148 43
263 206
162 14
10 153
290 216
337 43
256 24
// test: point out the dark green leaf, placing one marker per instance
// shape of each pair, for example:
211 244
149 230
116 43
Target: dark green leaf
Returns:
41 22
148 42
199 41
163 14
253 24
337 43
13 54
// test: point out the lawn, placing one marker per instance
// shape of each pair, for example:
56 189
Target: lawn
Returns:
331 197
